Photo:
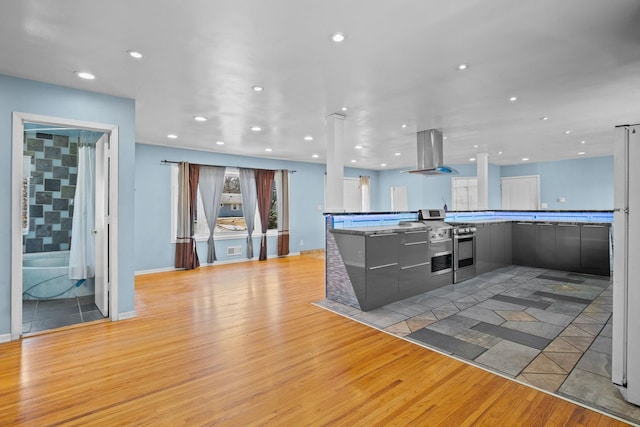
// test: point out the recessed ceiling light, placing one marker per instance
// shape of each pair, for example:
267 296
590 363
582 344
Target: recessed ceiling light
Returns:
256 128
344 108
462 67
172 136
315 156
200 118
338 37
513 99
134 54
85 75
257 88
397 154
475 145
583 142
499 152
567 132
525 159
268 150
580 153
404 126
219 142
544 118
308 138
472 159
444 137
383 164
353 161
358 147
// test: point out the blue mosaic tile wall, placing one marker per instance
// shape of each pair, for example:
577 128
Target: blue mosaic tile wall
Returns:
54 162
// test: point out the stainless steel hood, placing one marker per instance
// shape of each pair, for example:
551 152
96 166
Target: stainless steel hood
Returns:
430 157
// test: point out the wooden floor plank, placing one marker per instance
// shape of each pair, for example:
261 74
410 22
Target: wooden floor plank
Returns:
241 344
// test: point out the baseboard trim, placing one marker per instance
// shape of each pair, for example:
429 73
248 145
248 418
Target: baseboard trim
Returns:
228 261
127 315
5 337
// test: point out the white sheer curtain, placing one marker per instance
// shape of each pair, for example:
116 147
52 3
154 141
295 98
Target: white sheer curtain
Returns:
82 257
249 203
365 194
211 186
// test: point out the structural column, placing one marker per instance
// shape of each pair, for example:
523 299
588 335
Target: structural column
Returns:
482 169
335 163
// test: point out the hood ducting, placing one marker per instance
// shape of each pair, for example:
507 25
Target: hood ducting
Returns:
430 157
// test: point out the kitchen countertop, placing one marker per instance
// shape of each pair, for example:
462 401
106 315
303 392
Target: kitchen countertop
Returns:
416 226
528 221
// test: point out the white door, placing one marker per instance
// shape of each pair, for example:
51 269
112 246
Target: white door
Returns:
351 195
521 193
399 199
102 225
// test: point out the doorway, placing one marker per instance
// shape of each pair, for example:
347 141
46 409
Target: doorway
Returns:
62 229
520 193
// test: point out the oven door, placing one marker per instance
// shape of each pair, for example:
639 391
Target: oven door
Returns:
441 262
464 252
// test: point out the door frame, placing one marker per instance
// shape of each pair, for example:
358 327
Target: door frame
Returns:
111 242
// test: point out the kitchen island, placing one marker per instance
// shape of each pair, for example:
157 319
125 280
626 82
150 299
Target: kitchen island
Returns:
374 259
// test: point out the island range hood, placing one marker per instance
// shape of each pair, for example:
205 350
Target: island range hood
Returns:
430 154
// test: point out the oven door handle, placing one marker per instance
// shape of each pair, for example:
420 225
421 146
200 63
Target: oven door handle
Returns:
441 254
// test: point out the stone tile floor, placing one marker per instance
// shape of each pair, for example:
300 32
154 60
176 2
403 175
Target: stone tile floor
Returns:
42 315
549 329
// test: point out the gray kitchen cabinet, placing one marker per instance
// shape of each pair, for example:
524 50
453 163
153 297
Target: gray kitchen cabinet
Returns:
524 241
483 248
414 263
381 269
545 246
497 245
594 249
508 243
567 247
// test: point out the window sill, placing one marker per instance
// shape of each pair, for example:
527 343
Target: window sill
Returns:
233 236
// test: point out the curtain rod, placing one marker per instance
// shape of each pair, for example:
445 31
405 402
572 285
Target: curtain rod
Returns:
168 162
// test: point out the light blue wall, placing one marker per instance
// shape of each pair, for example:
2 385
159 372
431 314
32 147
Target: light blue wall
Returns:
26 96
423 191
154 249
584 183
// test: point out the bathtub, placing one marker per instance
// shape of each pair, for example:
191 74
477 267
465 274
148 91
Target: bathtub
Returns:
45 275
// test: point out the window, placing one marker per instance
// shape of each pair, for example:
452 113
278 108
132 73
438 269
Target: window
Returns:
230 223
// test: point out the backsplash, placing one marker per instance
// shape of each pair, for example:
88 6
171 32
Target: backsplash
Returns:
54 161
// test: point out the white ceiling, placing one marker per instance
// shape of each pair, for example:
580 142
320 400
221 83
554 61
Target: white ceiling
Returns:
576 62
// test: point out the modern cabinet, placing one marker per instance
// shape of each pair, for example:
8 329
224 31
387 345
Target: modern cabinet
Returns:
524 241
594 249
545 245
493 243
381 269
414 263
568 247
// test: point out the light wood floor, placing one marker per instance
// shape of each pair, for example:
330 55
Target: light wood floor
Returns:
241 344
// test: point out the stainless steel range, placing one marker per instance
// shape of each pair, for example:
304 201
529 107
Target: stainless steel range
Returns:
440 240
464 253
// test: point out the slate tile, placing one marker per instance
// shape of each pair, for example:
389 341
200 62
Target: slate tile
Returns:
44 165
67 191
561 345
602 345
596 363
453 325
400 329
52 152
52 217
550 317
36 211
559 297
69 160
445 310
566 361
52 185
482 315
549 382
60 172
514 315
544 365
512 335
448 344
540 329
44 197
60 140
508 357
60 204
521 301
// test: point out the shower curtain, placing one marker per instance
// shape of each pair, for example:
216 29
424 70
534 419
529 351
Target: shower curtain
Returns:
81 257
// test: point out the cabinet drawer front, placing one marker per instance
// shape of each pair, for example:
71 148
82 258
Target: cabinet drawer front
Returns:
382 249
